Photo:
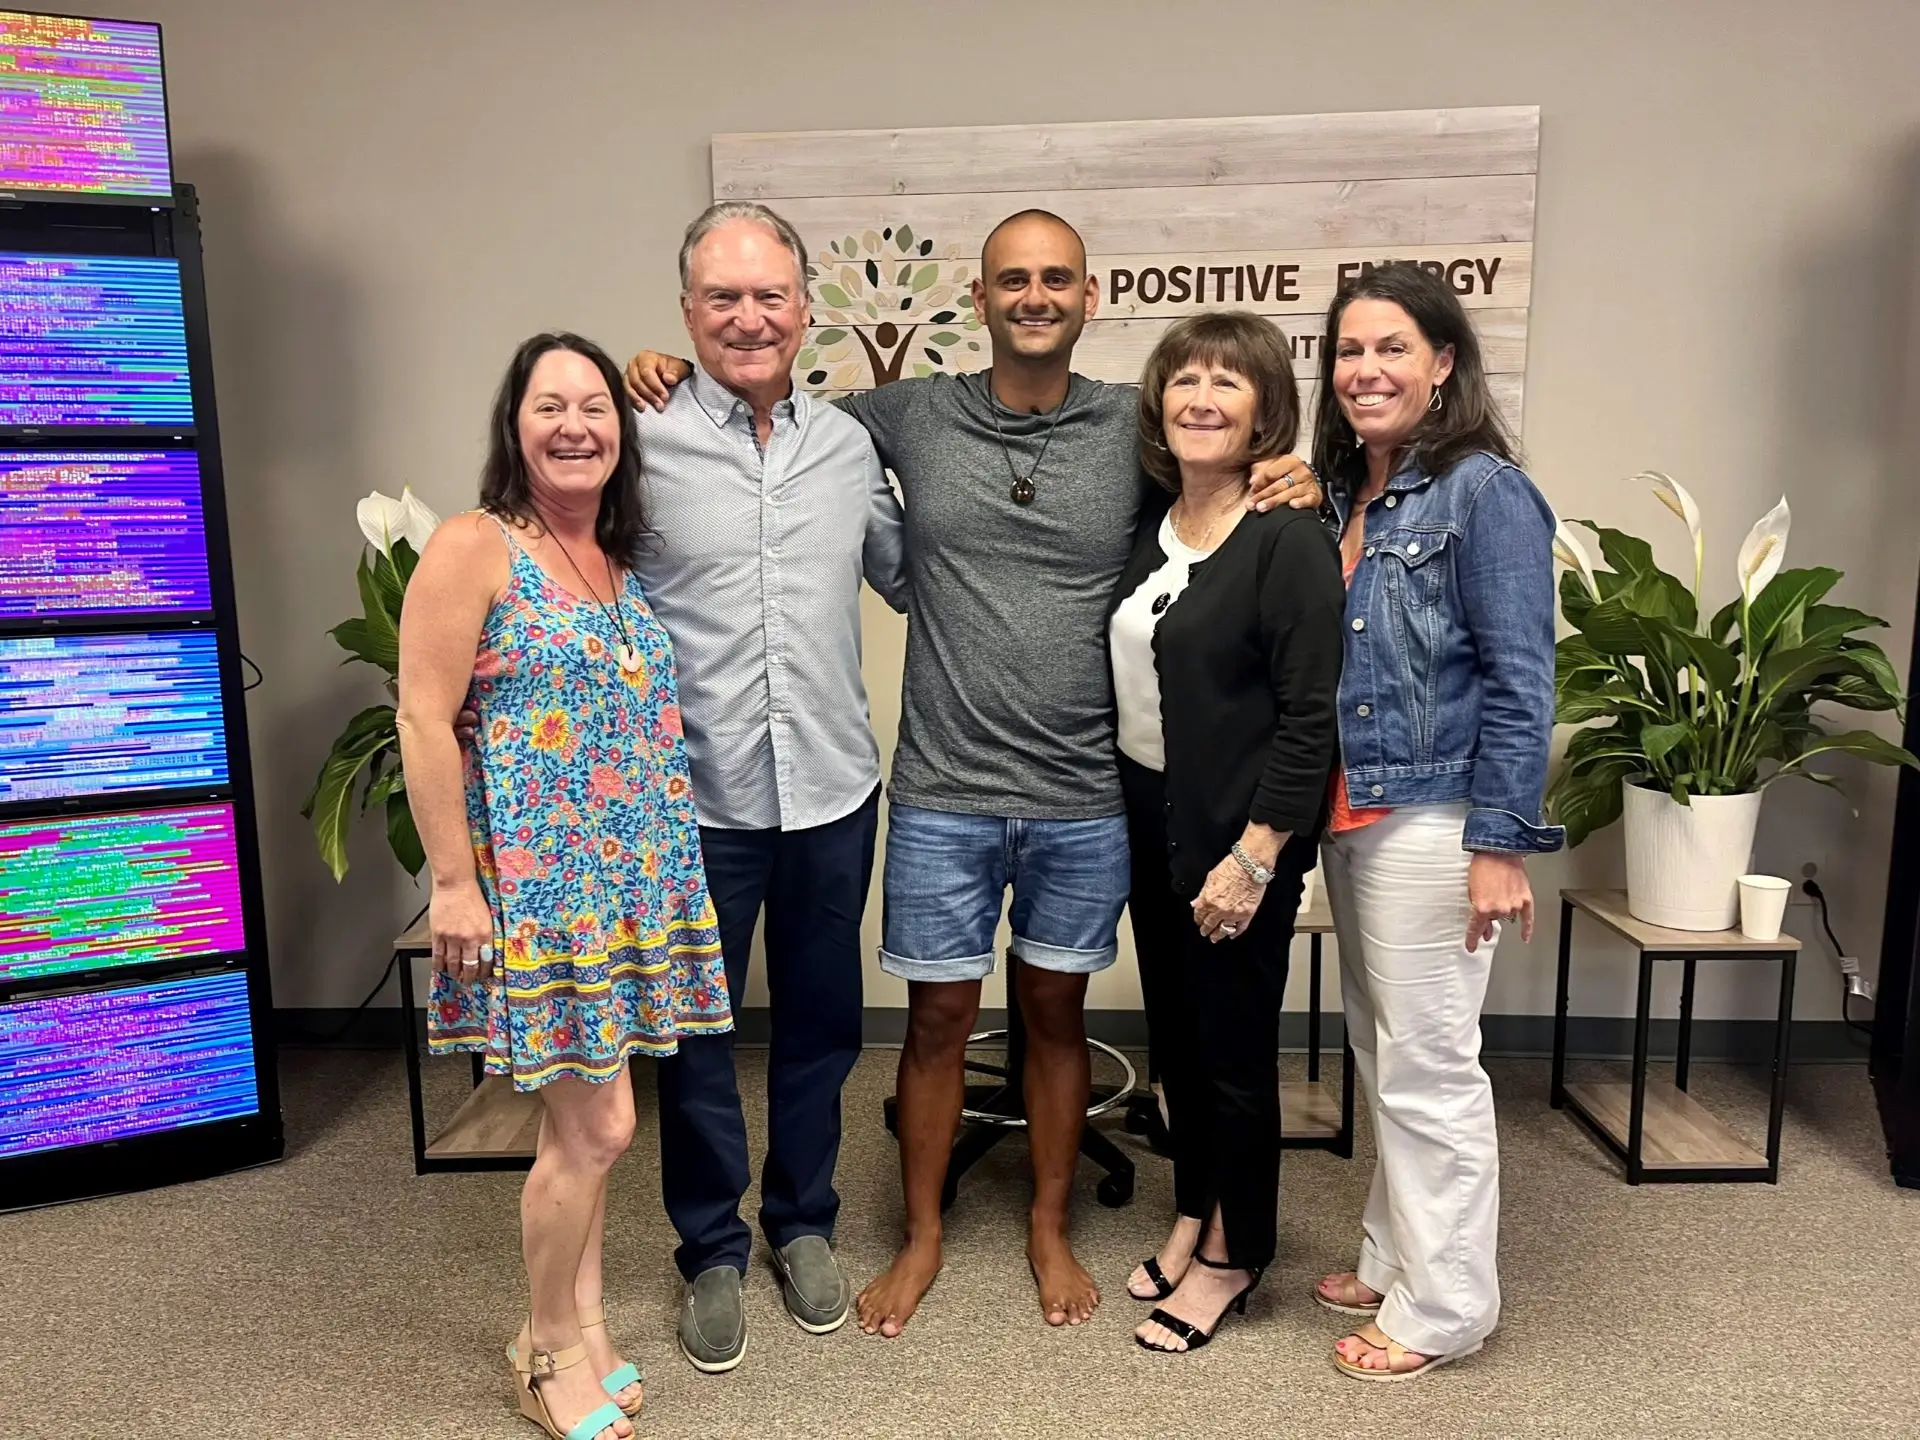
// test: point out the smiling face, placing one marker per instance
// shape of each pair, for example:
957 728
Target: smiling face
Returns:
1209 412
746 309
1385 371
1034 292
569 427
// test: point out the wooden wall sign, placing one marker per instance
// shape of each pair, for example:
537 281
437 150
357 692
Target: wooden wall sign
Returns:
1269 214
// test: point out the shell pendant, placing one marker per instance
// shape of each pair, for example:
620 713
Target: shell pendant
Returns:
629 658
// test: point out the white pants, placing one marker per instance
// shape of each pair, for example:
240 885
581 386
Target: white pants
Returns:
1398 890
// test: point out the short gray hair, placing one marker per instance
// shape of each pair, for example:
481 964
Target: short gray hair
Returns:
725 212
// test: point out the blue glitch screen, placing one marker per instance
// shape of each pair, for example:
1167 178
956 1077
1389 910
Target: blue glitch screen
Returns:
94 340
103 714
108 1064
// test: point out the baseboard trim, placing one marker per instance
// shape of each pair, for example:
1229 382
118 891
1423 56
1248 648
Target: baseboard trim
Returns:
1814 1042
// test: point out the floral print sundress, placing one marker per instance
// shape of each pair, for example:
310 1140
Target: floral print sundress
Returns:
588 846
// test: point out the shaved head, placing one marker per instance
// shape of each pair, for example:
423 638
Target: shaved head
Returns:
1033 218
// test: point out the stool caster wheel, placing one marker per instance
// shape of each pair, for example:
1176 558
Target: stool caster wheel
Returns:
1114 1191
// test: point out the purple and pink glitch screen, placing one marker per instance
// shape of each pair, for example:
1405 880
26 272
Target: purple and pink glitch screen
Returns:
92 340
97 532
81 893
83 1069
83 108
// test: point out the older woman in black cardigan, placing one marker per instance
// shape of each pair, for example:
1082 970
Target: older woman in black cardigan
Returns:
1226 649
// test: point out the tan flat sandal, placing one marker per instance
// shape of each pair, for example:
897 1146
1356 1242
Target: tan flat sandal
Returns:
1400 1362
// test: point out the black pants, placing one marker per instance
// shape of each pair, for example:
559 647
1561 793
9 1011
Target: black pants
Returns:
1213 1027
813 885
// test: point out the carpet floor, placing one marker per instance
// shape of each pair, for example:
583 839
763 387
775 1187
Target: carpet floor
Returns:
336 1294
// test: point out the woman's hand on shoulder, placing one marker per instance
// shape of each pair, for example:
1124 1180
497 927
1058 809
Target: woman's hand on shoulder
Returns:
1286 480
1497 892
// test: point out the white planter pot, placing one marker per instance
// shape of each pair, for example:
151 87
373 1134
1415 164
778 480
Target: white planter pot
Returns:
1684 862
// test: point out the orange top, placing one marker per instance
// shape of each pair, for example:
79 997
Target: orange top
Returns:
1344 816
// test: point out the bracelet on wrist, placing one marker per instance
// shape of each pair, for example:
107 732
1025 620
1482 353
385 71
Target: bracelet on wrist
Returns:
1256 872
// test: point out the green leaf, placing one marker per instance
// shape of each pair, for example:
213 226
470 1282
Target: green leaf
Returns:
1787 673
382 635
381 788
1721 626
1628 554
1857 692
904 237
925 277
1577 709
1718 664
387 583
943 337
808 357
1658 741
1826 624
1678 790
329 806
834 296
1586 803
1575 599
402 838
1871 661
1787 592
352 636
1866 744
405 559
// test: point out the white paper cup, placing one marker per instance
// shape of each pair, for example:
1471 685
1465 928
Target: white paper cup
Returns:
1763 905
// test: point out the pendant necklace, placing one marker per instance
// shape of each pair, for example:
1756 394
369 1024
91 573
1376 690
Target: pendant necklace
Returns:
625 651
1022 491
1173 521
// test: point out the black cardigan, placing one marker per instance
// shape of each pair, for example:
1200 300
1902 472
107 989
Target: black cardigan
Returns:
1249 666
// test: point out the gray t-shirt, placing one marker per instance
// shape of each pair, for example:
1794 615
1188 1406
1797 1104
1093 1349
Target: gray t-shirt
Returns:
1007 707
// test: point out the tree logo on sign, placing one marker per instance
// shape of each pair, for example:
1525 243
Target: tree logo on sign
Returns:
890 308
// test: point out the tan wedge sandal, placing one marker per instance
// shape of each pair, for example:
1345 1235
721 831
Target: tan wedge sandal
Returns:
621 1378
531 1366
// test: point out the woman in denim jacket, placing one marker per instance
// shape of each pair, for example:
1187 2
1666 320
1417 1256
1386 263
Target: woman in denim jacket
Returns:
1446 710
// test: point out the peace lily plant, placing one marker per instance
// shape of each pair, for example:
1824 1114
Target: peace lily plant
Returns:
396 532
1704 706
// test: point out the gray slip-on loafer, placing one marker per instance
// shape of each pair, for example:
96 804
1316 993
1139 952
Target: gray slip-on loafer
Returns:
813 1285
713 1322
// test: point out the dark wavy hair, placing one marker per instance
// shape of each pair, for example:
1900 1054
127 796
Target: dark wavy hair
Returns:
1467 421
506 488
1236 340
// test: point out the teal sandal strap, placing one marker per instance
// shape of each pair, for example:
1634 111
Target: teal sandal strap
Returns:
603 1418
623 1377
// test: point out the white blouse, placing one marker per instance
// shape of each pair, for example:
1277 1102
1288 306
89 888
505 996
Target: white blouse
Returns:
1136 684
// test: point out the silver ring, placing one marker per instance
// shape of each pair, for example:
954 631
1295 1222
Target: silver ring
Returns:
1229 929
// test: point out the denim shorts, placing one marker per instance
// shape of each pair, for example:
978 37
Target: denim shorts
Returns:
947 875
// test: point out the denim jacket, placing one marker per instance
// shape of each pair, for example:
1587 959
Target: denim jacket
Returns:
1447 689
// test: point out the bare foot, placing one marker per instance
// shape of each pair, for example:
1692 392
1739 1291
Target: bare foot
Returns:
1067 1292
1173 1259
603 1360
891 1297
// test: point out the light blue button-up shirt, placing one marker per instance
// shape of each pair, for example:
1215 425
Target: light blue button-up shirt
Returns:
754 567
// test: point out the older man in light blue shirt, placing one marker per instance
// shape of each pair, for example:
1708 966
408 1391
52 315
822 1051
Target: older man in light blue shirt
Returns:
768 509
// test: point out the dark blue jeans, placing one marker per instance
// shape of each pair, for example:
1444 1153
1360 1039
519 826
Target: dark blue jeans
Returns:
813 886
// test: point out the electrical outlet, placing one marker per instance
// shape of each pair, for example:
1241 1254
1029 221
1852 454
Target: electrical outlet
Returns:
1809 871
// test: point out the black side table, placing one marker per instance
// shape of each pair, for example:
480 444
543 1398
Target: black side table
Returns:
494 1128
1660 1131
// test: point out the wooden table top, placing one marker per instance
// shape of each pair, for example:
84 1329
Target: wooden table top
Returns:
1609 907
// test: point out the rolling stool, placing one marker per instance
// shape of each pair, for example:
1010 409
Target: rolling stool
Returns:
995 1110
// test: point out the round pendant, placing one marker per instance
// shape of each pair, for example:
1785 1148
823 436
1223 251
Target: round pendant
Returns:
1022 491
1161 603
629 658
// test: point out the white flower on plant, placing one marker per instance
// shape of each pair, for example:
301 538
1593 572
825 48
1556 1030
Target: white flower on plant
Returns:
1568 550
1670 493
384 520
1764 550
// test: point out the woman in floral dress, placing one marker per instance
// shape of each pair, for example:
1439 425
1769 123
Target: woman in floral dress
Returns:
571 923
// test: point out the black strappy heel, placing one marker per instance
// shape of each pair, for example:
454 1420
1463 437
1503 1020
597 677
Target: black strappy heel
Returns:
1193 1334
1162 1287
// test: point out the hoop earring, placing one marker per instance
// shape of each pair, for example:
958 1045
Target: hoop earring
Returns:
1437 401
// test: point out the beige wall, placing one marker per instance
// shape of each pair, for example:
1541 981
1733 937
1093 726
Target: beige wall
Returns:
395 193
